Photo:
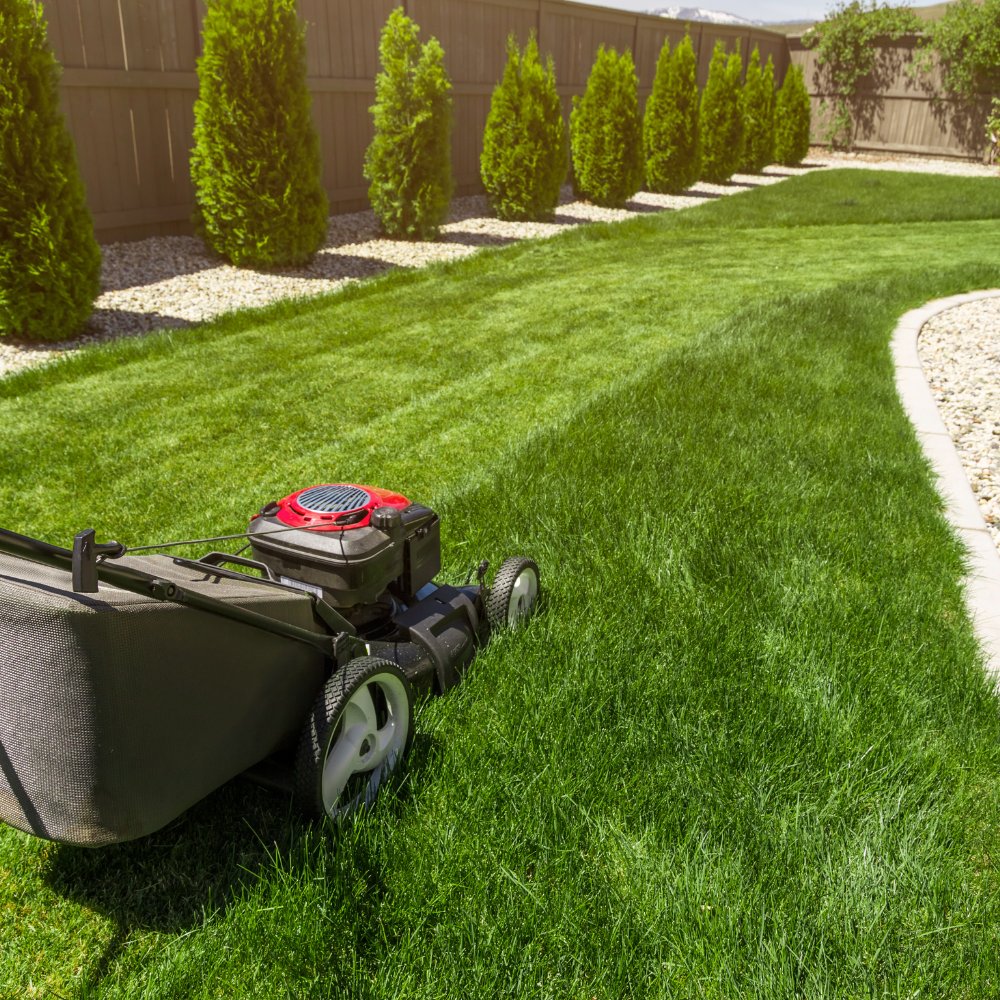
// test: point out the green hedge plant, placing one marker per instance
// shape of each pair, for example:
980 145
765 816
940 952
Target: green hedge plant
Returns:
722 117
758 115
408 164
670 124
791 119
50 264
255 166
525 146
606 132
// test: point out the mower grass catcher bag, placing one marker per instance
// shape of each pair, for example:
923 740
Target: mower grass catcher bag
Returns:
118 712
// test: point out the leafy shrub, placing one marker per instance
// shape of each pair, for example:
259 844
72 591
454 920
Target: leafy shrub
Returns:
791 119
993 126
722 117
847 52
50 264
525 147
606 132
255 166
967 42
670 125
408 162
758 115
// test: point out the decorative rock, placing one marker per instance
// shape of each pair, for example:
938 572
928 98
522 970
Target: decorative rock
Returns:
960 353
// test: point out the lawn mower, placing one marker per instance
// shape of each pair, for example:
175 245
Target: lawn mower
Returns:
136 684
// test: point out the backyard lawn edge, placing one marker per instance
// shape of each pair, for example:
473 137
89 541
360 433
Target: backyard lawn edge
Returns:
982 578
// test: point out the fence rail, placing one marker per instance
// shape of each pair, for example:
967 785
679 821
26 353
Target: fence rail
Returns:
129 85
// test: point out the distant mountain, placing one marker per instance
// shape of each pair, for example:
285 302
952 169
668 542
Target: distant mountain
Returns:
700 14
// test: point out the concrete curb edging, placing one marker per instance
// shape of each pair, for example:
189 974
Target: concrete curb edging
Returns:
982 580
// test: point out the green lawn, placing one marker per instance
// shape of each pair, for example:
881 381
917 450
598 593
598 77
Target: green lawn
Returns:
747 750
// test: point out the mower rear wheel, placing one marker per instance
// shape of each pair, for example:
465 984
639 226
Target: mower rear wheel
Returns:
514 593
358 733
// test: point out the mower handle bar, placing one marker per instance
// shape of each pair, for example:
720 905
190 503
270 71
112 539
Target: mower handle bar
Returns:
147 585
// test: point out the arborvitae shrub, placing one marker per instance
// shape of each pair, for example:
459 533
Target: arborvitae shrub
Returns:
722 117
670 125
791 119
758 115
50 264
255 166
771 96
606 132
525 147
408 163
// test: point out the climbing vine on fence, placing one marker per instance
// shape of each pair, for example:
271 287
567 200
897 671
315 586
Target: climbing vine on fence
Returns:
965 42
847 51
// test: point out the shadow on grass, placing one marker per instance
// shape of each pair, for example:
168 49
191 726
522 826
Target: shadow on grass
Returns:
169 880
215 854
477 239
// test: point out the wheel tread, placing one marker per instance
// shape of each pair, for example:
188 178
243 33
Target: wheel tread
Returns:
498 598
326 708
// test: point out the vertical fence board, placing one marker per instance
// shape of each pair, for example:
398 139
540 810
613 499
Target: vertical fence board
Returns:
92 38
76 104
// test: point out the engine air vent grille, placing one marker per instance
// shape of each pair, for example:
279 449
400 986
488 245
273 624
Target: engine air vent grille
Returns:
333 499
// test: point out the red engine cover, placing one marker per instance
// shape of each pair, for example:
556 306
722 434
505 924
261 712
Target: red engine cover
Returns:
333 506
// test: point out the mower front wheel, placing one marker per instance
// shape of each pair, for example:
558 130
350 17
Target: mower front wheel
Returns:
514 593
358 733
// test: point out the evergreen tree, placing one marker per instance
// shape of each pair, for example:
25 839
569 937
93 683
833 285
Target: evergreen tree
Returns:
769 90
525 147
255 166
408 163
670 125
758 115
791 119
50 264
722 117
606 132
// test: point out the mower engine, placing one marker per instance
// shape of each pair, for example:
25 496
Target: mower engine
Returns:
372 555
356 546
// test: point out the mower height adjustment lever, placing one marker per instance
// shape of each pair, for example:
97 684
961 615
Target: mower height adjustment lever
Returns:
85 554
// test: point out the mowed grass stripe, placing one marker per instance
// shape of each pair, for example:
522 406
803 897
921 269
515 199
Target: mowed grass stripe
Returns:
298 393
746 751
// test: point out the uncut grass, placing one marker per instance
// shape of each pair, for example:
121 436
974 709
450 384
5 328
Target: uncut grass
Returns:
747 749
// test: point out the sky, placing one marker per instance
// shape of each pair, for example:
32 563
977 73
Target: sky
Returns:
758 10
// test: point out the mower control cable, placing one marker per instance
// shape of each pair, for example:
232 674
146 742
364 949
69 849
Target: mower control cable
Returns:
217 538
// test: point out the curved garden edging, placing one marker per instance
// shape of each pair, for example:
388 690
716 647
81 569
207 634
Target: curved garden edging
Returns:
982 580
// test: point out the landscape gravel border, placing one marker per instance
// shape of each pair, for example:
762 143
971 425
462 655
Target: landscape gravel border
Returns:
173 281
982 579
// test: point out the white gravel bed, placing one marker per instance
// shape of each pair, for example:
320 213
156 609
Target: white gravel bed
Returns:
172 281
912 164
960 353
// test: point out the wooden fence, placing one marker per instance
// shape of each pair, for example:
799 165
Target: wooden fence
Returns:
129 85
897 111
